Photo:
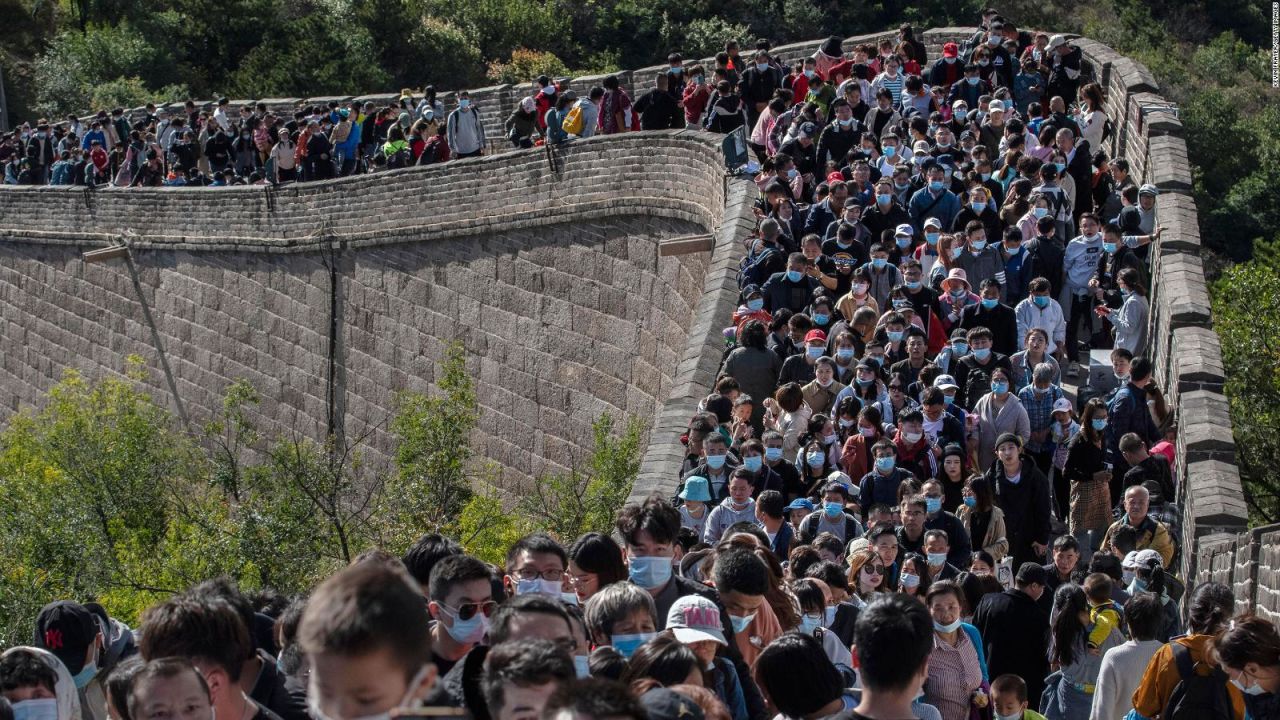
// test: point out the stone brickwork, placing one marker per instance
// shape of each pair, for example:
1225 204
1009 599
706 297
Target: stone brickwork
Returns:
331 297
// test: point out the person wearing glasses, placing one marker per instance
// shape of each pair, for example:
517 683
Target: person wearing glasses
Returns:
460 600
536 564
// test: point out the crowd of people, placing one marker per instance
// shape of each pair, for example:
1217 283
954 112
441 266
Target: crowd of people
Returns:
890 506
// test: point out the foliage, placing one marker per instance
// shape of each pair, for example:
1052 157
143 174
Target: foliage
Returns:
486 528
433 454
447 56
83 483
586 500
524 65
706 36
78 65
1246 310
102 496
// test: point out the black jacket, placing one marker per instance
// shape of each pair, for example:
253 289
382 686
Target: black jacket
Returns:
1000 320
1015 635
271 692
1025 507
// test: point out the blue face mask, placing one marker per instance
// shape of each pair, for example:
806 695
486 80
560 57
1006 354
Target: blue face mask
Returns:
985 176
935 185
467 631
1041 301
1098 423
1040 212
845 353
879 263
740 623
832 509
904 242
809 74
990 303
1138 585
890 150
949 399
956 252
885 464
464 103
815 459
982 353
649 573
41 709
773 454
755 304
1109 247
628 644
829 615
999 387
821 318
809 623
884 199
715 462
895 335
582 666
931 238
970 501
931 506
1061 167
814 352
935 560
978 245
959 348
794 275
913 284
753 463
973 80
910 581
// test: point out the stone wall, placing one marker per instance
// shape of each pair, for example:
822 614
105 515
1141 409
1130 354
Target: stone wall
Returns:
331 297
1184 348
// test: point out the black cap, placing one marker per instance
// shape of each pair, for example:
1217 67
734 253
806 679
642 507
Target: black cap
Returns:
664 704
66 629
1032 573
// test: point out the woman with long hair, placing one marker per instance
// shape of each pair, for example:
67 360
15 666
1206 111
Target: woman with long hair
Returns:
983 519
866 575
1212 605
1087 472
1078 639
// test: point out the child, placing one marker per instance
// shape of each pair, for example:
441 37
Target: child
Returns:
37 684
693 511
367 621
1009 699
1061 430
1097 587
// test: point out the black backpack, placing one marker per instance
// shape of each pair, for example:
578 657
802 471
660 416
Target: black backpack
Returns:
1197 697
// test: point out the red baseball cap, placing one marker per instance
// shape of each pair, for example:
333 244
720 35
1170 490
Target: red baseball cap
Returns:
815 335
950 50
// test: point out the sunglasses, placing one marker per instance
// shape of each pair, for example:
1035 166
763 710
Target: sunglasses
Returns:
466 611
873 569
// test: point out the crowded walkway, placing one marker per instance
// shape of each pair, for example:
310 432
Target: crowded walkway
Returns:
910 495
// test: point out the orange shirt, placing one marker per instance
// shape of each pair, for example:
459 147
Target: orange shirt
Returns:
1161 677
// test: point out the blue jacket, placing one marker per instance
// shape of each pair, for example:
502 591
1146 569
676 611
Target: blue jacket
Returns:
946 209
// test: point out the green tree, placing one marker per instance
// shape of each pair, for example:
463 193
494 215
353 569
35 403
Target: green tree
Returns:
433 454
586 499
85 485
1246 311
524 66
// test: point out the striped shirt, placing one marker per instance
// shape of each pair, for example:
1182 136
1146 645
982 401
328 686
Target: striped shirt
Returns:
954 673
893 85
